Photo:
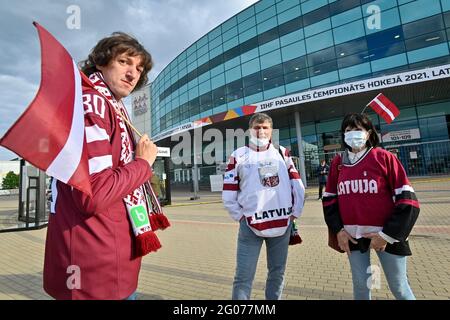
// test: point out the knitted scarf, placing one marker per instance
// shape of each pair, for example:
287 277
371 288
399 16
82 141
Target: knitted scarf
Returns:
145 220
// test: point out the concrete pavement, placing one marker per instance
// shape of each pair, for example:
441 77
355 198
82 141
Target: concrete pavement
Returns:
197 260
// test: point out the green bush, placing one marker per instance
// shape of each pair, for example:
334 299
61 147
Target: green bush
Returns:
10 181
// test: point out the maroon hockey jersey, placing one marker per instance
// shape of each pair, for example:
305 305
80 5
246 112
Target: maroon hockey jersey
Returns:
371 195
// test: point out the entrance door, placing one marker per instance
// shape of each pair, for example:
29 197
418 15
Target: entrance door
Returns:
160 180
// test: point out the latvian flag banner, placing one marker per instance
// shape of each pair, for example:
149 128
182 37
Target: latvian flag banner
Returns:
50 133
384 107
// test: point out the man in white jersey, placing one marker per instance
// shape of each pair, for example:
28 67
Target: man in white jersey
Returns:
263 191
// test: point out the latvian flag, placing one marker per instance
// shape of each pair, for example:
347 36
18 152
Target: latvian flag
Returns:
384 107
50 133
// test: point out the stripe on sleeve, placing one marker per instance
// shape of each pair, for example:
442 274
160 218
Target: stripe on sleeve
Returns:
97 164
95 133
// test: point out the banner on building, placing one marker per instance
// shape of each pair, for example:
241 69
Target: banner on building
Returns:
401 135
371 84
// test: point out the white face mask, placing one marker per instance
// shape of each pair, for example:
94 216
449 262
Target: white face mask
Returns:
356 139
259 142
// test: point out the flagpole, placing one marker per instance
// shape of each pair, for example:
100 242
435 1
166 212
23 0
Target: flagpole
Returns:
364 109
129 123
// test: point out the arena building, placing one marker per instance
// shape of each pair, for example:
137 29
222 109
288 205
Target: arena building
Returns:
307 63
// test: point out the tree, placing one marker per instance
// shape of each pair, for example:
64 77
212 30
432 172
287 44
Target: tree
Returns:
10 181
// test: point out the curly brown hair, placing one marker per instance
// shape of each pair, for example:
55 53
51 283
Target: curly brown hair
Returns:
110 47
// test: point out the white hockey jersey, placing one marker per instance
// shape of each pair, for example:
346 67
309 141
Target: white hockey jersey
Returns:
263 186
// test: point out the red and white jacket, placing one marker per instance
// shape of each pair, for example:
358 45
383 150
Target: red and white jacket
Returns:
91 238
263 186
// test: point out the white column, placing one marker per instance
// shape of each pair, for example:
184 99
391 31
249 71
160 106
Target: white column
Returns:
300 147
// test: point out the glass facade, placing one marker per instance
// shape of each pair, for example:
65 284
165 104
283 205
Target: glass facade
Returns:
274 48
280 47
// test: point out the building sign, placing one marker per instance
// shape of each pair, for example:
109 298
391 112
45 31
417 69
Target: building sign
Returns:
140 104
216 181
378 83
163 152
402 135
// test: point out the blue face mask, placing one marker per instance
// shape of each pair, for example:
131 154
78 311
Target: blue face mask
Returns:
356 139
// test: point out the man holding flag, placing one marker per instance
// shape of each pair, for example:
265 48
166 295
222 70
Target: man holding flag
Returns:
102 222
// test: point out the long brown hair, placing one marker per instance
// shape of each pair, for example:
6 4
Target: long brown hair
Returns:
354 120
110 47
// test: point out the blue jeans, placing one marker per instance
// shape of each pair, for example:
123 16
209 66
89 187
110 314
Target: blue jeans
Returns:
394 268
248 249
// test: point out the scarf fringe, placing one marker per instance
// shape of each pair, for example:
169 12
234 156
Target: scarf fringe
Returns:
159 221
295 239
163 222
146 243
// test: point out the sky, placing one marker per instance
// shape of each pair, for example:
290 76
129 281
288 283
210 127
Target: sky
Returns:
164 27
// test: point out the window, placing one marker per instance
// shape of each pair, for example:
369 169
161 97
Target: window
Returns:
249 45
270 46
389 50
447 19
347 61
313 4
266 14
321 56
268 36
317 27
416 28
250 67
234 86
206 102
325 78
270 59
218 95
272 72
294 64
247 24
291 37
382 38
290 26
426 40
296 76
233 74
315 16
419 9
341 6
267 25
323 68
389 62
252 79
294 50
428 53
343 33
346 17
354 71
229 34
273 83
350 47
319 42
248 91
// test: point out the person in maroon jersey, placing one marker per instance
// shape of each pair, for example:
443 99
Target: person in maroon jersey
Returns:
369 203
90 246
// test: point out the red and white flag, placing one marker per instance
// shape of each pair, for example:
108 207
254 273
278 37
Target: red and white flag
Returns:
50 133
384 107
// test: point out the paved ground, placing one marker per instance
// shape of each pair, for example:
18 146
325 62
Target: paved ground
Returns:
197 260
